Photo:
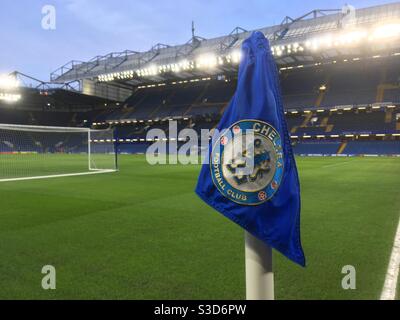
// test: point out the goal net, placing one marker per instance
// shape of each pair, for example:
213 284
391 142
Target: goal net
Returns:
36 152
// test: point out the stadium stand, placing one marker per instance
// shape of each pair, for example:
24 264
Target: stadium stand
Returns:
301 88
351 84
191 108
347 90
346 85
34 142
57 107
317 147
373 147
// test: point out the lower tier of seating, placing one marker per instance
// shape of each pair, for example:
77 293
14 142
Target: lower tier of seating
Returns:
370 147
373 147
316 147
352 147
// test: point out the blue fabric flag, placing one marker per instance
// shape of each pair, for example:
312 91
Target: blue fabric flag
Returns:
265 201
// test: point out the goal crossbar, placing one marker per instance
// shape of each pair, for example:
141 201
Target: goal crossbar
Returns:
23 127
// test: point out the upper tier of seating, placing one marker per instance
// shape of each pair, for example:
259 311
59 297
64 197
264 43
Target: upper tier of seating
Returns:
185 100
351 83
368 121
45 118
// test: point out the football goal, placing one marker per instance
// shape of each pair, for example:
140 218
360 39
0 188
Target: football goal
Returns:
39 152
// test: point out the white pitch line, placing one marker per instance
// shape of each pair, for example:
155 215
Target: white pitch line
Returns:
336 164
59 175
392 275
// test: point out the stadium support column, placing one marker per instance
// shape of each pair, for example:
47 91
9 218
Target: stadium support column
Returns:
259 274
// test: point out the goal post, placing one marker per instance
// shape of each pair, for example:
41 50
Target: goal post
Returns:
102 151
39 152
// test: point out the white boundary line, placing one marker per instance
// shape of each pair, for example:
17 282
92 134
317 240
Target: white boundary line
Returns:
392 275
59 175
336 164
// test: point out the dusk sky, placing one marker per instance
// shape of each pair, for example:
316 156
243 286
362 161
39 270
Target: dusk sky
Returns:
86 28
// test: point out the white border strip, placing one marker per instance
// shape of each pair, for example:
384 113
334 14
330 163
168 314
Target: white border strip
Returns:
59 175
392 275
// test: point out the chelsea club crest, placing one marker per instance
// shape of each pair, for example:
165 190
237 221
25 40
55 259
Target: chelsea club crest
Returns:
247 162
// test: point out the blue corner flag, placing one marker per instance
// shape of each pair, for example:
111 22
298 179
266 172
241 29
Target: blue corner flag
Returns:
266 200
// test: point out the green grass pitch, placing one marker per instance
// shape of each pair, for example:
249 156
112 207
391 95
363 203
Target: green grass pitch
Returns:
142 233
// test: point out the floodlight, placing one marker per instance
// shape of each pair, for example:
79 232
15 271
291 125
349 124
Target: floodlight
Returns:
10 97
386 31
184 64
352 37
152 70
206 61
236 56
8 82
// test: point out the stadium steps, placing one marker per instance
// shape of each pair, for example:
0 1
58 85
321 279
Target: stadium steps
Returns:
74 118
342 147
379 93
188 109
381 90
321 94
125 112
388 116
320 98
324 122
306 120
329 128
140 101
154 112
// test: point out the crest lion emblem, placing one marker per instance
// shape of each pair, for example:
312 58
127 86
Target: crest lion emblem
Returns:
251 163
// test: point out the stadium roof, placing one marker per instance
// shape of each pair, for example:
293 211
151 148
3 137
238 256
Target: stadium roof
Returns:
318 36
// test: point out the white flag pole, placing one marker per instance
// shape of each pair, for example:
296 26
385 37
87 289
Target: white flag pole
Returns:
259 274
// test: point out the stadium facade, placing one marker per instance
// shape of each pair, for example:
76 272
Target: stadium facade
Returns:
339 71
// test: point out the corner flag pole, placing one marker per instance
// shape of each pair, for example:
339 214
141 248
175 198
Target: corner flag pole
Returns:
259 274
